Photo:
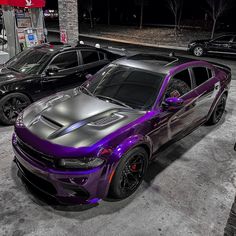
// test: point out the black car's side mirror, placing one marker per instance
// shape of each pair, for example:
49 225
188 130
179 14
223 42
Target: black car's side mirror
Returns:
52 70
173 104
88 76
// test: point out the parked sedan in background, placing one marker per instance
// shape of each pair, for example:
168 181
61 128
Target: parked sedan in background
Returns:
44 70
223 45
98 139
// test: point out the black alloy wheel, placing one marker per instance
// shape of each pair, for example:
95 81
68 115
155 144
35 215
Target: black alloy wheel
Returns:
11 106
218 111
129 173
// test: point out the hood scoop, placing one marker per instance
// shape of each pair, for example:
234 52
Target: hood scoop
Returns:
107 120
104 121
50 122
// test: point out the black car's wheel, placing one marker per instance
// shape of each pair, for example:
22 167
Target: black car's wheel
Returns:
218 111
198 51
10 107
129 173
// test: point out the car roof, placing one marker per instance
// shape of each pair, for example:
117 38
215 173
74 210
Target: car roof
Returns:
156 63
56 47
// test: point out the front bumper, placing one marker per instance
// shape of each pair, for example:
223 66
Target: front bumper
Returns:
79 187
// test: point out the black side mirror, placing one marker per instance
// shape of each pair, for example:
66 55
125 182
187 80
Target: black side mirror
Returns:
52 70
88 76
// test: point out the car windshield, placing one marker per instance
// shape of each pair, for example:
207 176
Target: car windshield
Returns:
28 62
126 86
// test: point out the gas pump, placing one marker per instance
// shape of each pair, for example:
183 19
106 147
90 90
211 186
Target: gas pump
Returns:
31 38
24 23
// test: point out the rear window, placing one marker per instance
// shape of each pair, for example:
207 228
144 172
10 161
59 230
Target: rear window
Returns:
201 75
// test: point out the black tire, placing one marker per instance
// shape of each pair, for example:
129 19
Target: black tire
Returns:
11 105
218 111
132 168
198 51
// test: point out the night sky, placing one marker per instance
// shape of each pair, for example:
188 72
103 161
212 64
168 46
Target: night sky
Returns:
156 12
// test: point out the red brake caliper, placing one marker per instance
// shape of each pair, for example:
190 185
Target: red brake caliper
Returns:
133 167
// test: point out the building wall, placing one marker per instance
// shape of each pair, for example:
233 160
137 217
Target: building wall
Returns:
68 19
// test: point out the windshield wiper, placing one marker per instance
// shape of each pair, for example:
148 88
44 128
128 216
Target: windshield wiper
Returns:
86 90
114 100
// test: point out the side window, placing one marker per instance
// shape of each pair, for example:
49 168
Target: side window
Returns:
89 56
223 39
201 75
101 55
210 73
179 85
65 60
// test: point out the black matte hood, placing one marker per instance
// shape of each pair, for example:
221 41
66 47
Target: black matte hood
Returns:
76 120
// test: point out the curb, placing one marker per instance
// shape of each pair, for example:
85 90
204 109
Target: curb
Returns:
134 43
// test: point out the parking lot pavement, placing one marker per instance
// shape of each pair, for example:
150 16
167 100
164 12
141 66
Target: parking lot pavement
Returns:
188 190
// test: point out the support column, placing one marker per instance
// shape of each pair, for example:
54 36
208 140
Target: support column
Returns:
68 19
10 26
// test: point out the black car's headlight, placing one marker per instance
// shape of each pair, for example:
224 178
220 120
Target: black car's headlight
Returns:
191 44
81 163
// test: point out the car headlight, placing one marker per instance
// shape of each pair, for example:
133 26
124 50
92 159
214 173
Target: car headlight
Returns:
81 163
192 44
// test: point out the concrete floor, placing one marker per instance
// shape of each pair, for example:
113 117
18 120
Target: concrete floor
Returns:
188 190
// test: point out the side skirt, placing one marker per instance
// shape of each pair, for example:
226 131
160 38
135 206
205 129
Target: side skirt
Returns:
176 138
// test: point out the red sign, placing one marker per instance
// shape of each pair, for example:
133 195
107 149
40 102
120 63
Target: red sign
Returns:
64 38
24 3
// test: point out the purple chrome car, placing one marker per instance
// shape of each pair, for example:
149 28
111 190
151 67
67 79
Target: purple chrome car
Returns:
97 140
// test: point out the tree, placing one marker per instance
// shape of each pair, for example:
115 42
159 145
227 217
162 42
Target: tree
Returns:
176 7
217 9
141 4
87 5
108 12
141 14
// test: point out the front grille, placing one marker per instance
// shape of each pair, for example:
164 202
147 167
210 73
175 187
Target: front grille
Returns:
34 155
40 183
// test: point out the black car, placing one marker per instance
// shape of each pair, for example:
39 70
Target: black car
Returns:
45 70
225 45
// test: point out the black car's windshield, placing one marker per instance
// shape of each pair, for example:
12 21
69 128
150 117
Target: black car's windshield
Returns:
28 62
126 86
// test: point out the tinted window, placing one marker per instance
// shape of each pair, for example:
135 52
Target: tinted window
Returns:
65 60
210 74
223 39
89 56
29 61
179 85
184 76
135 88
201 75
101 56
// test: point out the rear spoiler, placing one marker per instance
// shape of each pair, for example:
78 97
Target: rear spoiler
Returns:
225 68
119 51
